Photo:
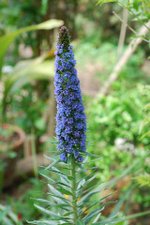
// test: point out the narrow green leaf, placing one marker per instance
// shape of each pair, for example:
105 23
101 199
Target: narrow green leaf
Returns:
59 199
117 220
49 203
91 216
48 212
121 201
80 223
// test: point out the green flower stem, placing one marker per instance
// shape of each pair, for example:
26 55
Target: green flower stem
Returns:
74 191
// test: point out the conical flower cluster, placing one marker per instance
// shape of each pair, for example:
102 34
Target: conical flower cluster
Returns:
70 118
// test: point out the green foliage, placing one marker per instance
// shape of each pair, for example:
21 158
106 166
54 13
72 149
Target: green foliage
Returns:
86 192
23 205
143 180
138 8
145 132
17 14
15 11
7 39
23 74
7 216
31 119
117 116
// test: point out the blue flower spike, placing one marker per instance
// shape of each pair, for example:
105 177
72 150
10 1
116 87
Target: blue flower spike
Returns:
70 118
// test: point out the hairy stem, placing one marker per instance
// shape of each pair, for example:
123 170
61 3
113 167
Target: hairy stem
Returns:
74 191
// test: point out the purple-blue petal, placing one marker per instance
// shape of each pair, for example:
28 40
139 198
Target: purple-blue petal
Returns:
70 118
63 157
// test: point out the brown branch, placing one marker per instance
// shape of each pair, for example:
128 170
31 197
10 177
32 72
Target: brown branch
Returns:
130 28
124 58
123 31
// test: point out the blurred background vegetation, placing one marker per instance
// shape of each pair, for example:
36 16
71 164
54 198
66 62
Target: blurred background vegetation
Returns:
116 93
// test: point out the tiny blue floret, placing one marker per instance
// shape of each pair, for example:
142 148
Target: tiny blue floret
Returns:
70 118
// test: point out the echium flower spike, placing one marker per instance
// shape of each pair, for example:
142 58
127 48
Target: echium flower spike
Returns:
70 118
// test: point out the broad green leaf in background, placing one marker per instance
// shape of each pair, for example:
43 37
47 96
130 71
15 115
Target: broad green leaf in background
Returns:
25 72
7 39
